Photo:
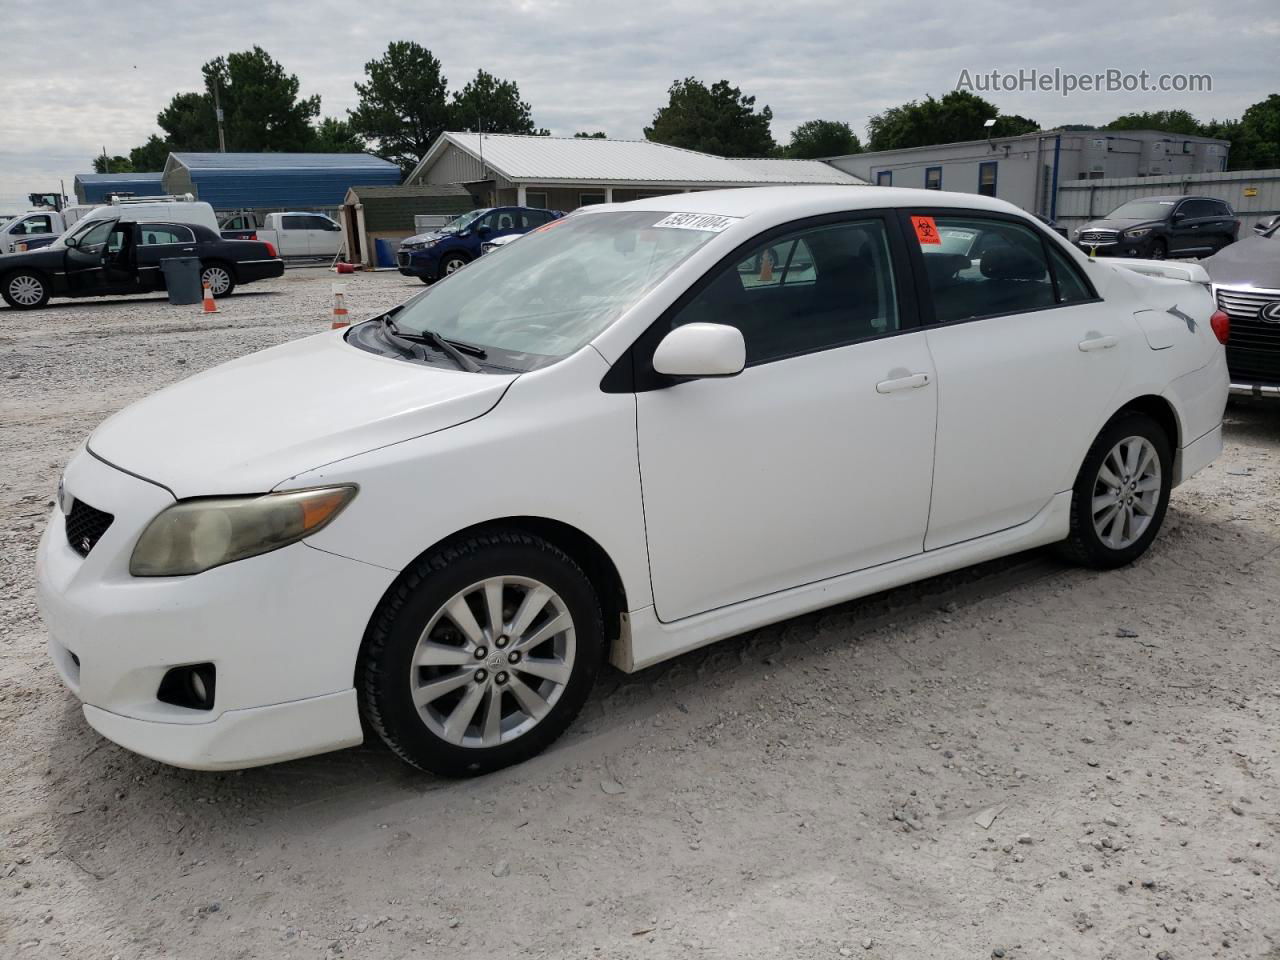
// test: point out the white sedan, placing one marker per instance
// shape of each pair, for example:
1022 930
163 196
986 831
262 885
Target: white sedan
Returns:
641 429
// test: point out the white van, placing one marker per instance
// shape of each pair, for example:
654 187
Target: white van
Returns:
183 209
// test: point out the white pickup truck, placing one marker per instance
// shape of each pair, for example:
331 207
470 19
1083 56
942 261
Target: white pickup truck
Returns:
292 234
39 227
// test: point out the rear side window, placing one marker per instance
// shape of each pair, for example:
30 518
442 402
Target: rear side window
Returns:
977 267
156 233
805 291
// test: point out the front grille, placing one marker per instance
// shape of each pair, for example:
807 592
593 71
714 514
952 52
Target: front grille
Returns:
1253 352
1099 236
85 526
402 258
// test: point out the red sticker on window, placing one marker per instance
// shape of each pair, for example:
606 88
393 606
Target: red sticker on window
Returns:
926 230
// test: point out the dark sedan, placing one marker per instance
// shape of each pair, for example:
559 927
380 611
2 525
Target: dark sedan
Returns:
114 258
1158 227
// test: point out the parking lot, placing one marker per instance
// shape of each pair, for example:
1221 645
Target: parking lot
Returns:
1023 759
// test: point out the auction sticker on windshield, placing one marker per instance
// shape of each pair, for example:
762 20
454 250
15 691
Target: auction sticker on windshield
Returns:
710 222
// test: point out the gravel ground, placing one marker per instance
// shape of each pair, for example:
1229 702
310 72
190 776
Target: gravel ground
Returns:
1020 760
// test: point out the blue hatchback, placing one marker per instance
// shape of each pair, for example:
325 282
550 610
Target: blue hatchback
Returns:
430 256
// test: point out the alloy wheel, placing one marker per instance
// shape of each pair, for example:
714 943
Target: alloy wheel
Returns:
493 661
1126 492
218 280
453 265
26 290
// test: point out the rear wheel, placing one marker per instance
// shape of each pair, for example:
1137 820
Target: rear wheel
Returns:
1121 493
219 278
25 290
482 655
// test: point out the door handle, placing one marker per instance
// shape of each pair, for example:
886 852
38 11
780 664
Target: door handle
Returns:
913 382
1097 343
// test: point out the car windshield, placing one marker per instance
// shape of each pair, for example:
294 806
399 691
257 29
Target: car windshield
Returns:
462 221
1142 210
554 291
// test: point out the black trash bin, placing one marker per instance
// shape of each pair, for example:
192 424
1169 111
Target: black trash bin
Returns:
182 279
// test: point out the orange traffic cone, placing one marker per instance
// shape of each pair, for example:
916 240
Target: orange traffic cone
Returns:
210 306
339 308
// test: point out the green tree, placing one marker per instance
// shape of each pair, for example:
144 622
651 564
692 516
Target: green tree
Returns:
1256 141
598 135
1169 121
822 138
403 104
958 115
260 103
104 164
189 122
491 105
333 135
151 156
718 119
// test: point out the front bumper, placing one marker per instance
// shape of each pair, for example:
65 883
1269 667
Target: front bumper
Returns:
417 264
282 630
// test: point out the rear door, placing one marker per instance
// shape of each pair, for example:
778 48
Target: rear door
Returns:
158 242
294 235
1029 361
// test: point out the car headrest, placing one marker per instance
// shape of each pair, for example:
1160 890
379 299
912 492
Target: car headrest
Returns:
942 267
1011 263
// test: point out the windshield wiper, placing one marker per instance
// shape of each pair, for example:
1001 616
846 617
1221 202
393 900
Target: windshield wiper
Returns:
434 339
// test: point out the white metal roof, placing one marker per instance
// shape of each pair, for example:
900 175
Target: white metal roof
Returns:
589 160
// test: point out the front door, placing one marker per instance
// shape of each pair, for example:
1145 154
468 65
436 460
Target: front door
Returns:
816 460
86 260
1029 364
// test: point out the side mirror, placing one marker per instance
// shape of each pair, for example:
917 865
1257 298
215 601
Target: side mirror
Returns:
1178 215
483 231
73 242
701 350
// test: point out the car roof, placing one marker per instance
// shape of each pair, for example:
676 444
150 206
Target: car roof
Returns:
766 202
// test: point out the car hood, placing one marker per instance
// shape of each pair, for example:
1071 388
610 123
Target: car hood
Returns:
1253 261
248 425
48 257
1108 223
423 238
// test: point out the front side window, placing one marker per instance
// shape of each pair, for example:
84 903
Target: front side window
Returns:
35 225
95 232
1003 270
810 290
295 223
556 289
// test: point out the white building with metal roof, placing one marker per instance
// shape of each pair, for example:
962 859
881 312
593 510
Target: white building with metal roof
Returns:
563 173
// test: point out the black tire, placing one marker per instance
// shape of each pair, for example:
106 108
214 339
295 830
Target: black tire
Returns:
426 280
25 290
216 266
455 260
1084 545
384 669
1159 250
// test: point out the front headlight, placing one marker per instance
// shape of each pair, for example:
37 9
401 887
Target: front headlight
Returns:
1139 232
197 535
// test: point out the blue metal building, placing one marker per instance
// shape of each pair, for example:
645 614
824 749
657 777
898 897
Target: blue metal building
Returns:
274 181
94 187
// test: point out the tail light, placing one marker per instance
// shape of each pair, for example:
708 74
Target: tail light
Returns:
253 234
271 248
1221 324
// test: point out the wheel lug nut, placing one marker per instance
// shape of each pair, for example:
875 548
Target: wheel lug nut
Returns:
501 677
481 676
481 653
514 657
500 642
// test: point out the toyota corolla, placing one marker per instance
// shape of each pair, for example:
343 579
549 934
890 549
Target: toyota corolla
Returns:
643 428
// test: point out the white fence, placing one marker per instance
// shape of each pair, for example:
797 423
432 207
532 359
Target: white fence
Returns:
1253 194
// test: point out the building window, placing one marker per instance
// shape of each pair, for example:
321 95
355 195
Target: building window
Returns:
933 178
536 199
987 178
884 178
587 199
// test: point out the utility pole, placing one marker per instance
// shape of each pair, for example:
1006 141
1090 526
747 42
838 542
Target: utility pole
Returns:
106 161
217 110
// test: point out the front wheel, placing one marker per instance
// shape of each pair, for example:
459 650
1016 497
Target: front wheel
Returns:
25 290
219 278
1121 493
1159 250
482 655
452 263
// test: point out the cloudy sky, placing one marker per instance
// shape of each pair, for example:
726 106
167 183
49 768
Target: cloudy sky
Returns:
77 81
